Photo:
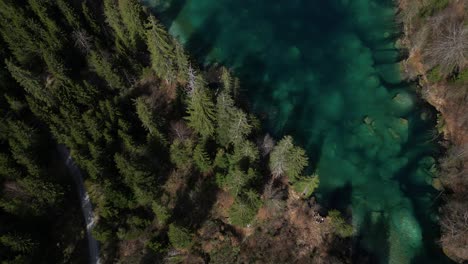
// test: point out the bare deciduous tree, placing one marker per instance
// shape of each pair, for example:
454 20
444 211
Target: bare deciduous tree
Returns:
267 145
449 49
192 81
82 41
180 130
454 223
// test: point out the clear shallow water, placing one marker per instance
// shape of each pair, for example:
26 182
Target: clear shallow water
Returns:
326 72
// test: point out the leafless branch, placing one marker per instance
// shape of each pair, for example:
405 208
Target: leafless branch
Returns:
82 41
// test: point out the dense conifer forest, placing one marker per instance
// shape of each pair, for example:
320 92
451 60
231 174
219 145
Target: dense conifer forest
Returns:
177 170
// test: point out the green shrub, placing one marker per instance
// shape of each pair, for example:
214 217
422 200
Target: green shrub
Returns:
101 234
225 254
179 237
156 247
340 227
435 75
181 153
161 212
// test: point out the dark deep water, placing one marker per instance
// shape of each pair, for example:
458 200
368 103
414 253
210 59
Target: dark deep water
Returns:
326 72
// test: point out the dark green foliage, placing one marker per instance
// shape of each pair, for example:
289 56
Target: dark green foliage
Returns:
30 83
16 31
435 75
104 69
89 17
181 153
306 185
149 119
432 7
201 113
18 243
42 10
114 20
244 209
224 109
106 80
132 18
225 254
161 212
201 158
156 247
340 227
462 77
8 169
236 180
179 237
160 46
70 15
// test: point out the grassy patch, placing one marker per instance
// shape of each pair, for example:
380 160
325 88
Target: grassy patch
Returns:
435 75
462 77
179 237
433 7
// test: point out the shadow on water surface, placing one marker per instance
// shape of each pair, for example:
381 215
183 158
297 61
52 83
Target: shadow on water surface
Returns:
167 10
200 42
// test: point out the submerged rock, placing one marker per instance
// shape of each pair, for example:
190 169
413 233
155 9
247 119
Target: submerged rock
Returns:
368 120
294 53
437 184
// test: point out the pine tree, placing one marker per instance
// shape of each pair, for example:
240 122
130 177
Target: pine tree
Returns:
15 30
89 17
179 237
148 119
182 62
244 150
201 158
181 153
287 159
161 48
227 81
236 180
30 83
55 65
104 69
114 20
137 177
244 209
40 8
239 128
45 193
18 243
8 169
131 13
70 15
224 112
201 113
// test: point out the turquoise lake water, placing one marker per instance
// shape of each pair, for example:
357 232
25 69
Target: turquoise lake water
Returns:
326 73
